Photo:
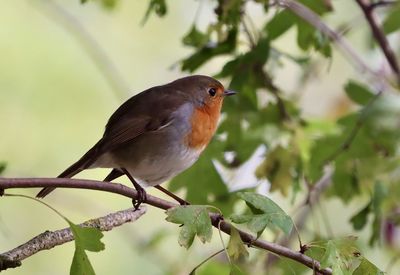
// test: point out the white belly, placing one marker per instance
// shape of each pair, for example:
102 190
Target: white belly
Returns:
151 172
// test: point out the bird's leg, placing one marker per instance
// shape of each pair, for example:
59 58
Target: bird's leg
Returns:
142 195
172 195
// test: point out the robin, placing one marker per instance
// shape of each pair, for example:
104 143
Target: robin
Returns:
156 134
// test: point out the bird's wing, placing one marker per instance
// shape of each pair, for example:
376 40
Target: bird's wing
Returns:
145 112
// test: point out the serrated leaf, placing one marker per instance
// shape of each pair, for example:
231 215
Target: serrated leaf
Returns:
367 268
266 213
81 264
330 256
339 254
358 93
86 238
195 220
236 248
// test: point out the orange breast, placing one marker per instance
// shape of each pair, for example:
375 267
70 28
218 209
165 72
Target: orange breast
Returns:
204 123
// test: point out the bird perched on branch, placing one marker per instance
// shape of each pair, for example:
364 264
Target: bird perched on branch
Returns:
156 134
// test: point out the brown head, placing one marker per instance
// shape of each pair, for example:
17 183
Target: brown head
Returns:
203 91
207 95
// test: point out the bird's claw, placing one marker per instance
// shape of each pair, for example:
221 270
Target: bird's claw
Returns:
141 198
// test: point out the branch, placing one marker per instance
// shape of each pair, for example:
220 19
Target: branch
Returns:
8 183
50 239
382 4
380 37
314 193
313 19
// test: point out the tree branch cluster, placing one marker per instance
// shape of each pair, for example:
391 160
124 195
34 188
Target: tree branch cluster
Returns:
224 226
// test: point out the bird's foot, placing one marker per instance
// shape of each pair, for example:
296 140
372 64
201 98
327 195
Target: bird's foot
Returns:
141 198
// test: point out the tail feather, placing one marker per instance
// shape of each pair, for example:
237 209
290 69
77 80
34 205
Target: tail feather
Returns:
83 163
115 173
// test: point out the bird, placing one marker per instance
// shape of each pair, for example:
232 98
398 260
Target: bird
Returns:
156 134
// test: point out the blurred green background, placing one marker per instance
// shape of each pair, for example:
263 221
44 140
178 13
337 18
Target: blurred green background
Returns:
64 68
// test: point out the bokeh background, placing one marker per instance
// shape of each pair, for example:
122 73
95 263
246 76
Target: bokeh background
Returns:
64 68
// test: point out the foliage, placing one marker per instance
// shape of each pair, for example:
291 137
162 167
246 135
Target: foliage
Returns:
264 213
85 239
359 142
194 220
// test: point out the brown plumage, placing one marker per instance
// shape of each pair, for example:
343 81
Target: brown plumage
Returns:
157 133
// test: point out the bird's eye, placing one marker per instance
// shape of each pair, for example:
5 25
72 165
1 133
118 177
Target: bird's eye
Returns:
212 91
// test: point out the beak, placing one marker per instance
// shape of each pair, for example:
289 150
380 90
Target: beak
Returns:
229 93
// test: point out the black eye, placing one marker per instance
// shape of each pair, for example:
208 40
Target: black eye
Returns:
212 92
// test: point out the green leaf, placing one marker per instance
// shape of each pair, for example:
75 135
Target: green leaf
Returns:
3 166
157 6
380 193
236 248
339 255
86 238
392 21
195 38
360 219
266 213
235 270
279 24
108 4
240 218
345 179
81 264
246 76
330 255
358 93
367 268
209 51
229 12
195 220
305 35
277 168
319 7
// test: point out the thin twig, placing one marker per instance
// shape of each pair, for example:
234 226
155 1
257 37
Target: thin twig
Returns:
50 239
382 4
8 183
380 37
314 193
354 131
250 37
313 19
206 260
